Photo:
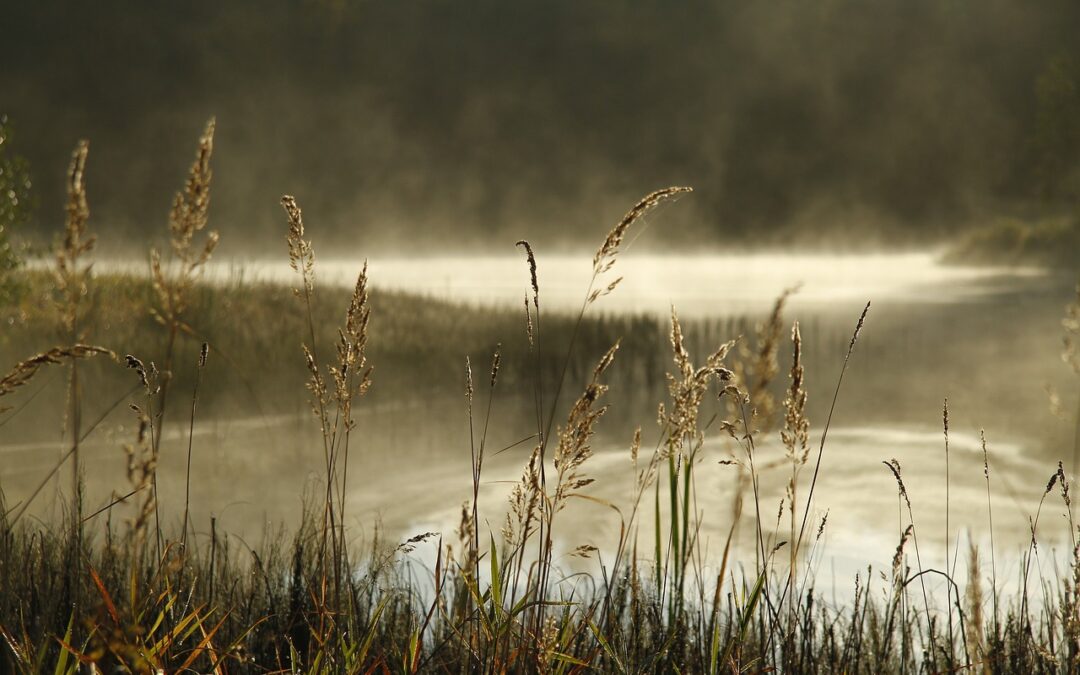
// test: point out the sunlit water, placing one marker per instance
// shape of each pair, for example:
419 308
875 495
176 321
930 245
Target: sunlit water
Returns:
986 337
704 285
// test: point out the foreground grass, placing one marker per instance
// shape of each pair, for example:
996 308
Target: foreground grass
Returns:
115 590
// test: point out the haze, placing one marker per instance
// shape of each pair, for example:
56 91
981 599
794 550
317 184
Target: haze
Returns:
434 126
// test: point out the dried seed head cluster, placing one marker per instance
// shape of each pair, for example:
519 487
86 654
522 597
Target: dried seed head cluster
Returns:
575 439
302 260
687 389
172 280
352 375
758 364
70 277
525 500
796 432
301 254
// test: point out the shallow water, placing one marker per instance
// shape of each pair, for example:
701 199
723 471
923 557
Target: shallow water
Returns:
988 338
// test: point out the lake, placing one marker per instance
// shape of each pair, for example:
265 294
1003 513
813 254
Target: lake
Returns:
989 339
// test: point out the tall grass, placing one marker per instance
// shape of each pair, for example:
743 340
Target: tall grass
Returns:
116 590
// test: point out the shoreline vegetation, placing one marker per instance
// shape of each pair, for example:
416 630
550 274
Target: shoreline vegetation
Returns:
1047 242
118 590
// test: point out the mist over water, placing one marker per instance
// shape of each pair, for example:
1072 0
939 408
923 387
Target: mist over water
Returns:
933 331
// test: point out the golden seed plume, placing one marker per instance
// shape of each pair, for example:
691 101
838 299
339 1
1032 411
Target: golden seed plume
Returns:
605 255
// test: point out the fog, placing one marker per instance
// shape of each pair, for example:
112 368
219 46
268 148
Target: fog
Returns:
836 146
435 126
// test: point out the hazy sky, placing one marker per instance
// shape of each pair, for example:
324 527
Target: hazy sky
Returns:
466 124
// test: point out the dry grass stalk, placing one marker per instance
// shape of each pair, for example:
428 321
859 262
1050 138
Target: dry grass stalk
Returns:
525 500
173 279
350 378
25 370
302 260
71 279
796 439
605 256
531 258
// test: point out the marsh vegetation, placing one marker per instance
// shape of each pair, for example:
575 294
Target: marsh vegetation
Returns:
452 493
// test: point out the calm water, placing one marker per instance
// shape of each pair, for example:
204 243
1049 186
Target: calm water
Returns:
707 285
987 338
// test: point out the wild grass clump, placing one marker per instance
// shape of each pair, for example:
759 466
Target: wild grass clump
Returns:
116 591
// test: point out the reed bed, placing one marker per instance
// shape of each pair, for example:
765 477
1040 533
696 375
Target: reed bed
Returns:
116 590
